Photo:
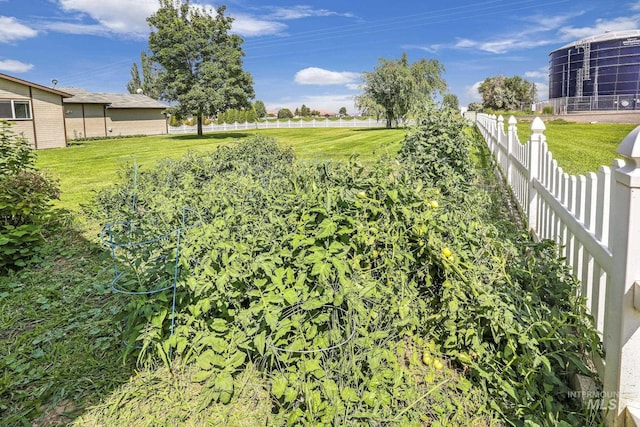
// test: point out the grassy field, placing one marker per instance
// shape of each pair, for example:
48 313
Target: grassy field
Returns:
88 166
581 147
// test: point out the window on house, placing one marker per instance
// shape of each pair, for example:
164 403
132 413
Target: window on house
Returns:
13 110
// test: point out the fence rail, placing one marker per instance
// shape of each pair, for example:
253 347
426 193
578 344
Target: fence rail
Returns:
277 124
600 103
595 218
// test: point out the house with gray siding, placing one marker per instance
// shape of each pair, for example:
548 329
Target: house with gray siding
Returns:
94 115
36 111
49 117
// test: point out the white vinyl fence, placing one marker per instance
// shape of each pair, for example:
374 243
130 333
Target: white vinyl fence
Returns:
277 124
596 220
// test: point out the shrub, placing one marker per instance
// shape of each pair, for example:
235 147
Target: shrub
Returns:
547 109
343 281
25 195
175 121
437 150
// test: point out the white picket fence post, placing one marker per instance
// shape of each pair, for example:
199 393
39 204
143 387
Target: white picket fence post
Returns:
536 141
512 137
622 315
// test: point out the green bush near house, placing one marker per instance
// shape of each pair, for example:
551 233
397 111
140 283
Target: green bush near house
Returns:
25 195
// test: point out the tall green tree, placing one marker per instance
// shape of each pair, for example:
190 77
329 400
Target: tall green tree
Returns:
201 62
261 110
507 93
450 101
149 81
285 113
397 86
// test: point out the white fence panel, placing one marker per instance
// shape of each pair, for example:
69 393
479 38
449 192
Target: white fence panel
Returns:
277 124
596 221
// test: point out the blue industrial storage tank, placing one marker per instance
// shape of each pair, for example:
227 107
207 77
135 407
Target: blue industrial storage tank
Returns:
598 73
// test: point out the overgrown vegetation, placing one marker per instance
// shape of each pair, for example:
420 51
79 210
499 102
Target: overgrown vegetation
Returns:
25 196
87 167
350 287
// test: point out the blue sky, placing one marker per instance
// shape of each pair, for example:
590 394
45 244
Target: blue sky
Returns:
310 52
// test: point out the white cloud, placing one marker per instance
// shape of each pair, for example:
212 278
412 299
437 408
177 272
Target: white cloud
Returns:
14 66
126 17
635 6
117 16
542 91
601 26
352 86
462 43
298 12
248 26
12 30
320 76
79 29
433 48
549 23
529 36
504 45
542 73
471 92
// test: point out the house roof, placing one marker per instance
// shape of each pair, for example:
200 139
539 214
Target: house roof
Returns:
35 85
112 100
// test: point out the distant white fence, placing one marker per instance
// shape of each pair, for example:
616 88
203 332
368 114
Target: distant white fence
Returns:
596 220
277 124
598 103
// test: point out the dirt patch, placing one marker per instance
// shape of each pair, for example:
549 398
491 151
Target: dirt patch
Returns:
61 414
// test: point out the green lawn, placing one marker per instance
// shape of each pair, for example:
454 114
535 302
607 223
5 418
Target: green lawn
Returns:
88 166
581 147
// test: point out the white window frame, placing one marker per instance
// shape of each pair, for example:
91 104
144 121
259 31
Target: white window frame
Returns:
13 109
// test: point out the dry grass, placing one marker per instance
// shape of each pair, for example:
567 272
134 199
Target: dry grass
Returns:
163 398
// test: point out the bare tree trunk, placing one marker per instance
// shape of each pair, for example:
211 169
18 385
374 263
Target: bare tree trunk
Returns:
199 124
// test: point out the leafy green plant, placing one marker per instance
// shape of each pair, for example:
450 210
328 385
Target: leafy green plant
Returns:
437 150
336 278
25 194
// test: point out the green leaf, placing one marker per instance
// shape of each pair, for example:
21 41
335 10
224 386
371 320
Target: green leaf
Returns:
236 359
322 270
349 395
259 342
278 385
312 304
224 385
217 344
201 376
290 296
326 228
206 359
290 394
